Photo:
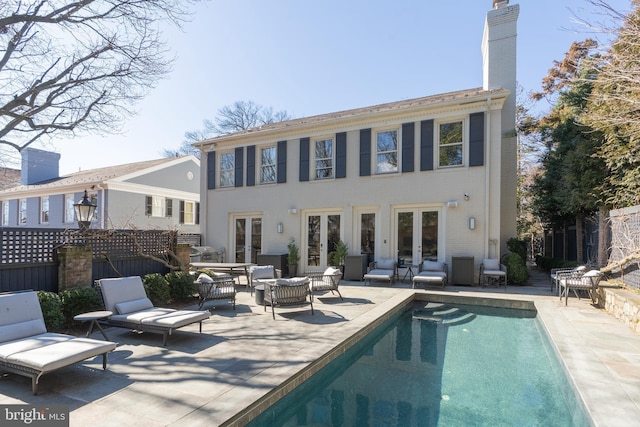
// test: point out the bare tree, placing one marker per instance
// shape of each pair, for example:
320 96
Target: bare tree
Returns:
239 116
78 66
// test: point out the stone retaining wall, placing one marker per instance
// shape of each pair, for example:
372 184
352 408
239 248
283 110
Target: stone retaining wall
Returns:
623 304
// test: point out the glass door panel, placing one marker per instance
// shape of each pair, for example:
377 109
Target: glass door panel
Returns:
429 229
368 235
417 235
322 234
247 241
256 239
241 239
313 240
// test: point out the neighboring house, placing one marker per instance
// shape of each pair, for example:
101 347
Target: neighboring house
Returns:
9 178
425 178
156 194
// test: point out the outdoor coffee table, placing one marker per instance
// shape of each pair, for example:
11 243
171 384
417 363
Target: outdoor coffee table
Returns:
93 317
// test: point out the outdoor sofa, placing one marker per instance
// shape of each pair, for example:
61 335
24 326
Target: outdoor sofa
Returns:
26 348
127 299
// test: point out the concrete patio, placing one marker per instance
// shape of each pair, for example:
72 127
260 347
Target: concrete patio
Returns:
213 377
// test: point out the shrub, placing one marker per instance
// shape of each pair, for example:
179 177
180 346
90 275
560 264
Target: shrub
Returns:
51 306
519 247
517 273
157 288
181 285
79 300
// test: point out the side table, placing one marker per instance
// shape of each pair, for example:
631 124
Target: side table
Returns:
410 271
93 317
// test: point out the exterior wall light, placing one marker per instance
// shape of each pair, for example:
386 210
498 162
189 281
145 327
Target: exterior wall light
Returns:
280 228
472 223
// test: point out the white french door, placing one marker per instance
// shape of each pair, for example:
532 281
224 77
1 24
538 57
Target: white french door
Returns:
247 239
323 230
416 231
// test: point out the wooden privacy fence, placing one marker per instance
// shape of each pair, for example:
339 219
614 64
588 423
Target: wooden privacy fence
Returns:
28 255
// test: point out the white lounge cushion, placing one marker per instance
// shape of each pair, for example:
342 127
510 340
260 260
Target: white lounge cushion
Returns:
24 329
11 347
294 281
385 264
139 316
127 307
59 354
176 318
428 276
432 266
379 274
121 289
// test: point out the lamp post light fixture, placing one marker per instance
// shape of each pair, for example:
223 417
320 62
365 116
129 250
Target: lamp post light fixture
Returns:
84 211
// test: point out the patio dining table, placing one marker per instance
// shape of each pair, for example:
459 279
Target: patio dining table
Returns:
233 268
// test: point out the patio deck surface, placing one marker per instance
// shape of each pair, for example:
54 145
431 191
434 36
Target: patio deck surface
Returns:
241 356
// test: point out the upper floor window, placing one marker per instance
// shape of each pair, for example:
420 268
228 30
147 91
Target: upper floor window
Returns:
22 212
387 151
44 210
227 169
324 158
69 210
155 206
450 144
268 165
5 213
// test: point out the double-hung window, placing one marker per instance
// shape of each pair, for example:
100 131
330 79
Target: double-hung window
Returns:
69 210
387 151
227 169
450 144
155 206
44 210
5 213
324 158
268 165
22 212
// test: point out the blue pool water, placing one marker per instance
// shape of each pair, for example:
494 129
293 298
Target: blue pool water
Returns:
439 365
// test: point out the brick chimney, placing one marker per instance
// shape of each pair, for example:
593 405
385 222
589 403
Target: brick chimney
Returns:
38 166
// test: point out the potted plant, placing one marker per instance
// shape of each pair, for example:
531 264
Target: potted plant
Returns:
340 253
293 257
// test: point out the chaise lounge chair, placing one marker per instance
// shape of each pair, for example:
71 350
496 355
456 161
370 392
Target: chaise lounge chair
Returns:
431 272
383 269
26 348
127 299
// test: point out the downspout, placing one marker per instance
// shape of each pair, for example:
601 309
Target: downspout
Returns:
102 208
487 182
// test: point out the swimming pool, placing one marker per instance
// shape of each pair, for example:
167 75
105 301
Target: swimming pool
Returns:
439 364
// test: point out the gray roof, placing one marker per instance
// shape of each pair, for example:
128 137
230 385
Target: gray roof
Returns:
91 176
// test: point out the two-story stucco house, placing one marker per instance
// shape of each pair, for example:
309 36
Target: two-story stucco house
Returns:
155 194
425 178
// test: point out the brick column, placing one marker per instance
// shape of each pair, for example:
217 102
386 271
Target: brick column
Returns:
74 266
183 251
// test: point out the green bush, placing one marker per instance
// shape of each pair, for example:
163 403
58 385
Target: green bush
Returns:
519 247
517 273
157 288
547 263
181 285
79 300
51 306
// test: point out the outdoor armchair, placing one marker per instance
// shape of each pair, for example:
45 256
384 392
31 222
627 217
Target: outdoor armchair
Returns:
431 272
384 269
491 271
287 292
328 280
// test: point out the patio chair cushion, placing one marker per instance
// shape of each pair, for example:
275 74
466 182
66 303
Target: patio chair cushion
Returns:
204 278
132 306
22 329
294 281
330 271
385 264
491 264
263 272
432 266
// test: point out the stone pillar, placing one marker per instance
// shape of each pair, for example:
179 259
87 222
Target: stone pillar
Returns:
74 267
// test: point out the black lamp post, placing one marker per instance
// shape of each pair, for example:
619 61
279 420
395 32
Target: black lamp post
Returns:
84 211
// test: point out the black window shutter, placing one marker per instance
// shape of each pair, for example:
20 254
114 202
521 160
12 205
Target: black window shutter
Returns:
251 165
304 159
181 218
148 205
365 152
197 212
238 166
426 145
211 170
476 139
169 208
282 162
408 143
341 155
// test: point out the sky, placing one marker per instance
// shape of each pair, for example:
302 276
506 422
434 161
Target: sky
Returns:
325 56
